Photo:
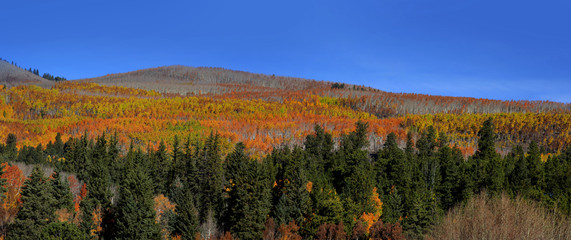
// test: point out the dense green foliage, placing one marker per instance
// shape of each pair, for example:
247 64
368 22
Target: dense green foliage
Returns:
322 187
38 208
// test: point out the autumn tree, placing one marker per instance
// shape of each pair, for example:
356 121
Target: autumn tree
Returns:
386 231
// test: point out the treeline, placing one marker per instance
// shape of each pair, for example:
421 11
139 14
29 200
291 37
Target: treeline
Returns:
37 72
321 190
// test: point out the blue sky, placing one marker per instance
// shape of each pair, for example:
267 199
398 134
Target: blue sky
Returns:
489 49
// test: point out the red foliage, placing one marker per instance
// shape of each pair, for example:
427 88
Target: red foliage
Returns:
386 231
289 231
11 204
269 230
359 231
331 231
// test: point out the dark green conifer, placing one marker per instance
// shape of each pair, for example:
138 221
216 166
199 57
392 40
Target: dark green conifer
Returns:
37 209
186 224
62 231
61 192
135 212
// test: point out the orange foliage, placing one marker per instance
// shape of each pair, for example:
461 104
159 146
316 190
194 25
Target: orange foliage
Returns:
144 117
289 231
309 186
162 204
97 217
370 218
64 215
550 129
11 204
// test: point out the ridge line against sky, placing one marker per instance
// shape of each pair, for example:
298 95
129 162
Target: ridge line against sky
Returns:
485 49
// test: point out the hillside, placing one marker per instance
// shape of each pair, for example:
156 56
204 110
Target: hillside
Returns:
223 83
11 75
150 105
208 148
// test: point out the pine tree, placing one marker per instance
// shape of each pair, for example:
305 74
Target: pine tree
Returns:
449 190
295 203
160 168
210 177
62 231
37 209
3 182
58 145
135 212
61 192
178 166
11 150
249 196
186 224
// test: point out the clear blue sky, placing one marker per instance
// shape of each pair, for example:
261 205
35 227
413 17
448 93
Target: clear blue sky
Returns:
491 49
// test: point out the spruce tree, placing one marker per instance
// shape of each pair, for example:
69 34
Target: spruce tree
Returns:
135 212
3 182
160 166
62 231
210 169
249 196
58 145
37 209
489 169
61 192
186 224
11 150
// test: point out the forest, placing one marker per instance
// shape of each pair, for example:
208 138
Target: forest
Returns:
209 153
92 187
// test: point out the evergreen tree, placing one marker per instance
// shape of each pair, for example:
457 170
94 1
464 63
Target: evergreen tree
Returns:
211 176
489 169
327 207
393 208
135 212
392 168
178 166
11 150
62 231
318 148
3 182
160 168
427 143
99 183
61 192
537 175
186 224
450 189
295 203
519 178
486 140
249 196
58 145
37 209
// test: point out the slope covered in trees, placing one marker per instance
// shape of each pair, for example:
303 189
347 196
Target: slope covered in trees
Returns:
237 84
144 117
309 191
179 152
